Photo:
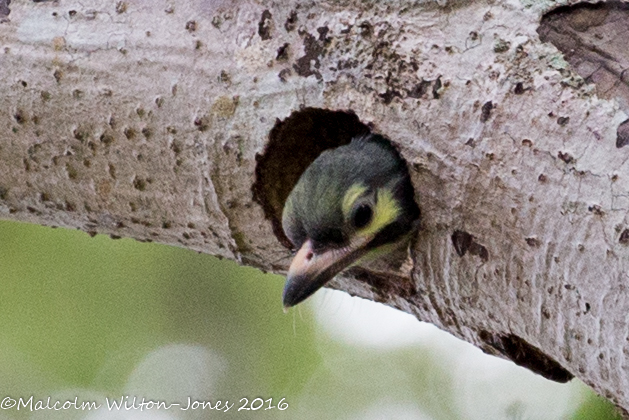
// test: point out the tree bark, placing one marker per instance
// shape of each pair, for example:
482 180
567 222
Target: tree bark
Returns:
188 124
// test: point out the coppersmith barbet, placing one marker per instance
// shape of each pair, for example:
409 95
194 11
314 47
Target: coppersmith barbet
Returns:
351 203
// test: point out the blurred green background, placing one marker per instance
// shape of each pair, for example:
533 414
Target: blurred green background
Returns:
96 318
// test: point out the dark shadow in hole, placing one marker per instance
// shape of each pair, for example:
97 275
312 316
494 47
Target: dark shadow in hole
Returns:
4 8
622 134
293 144
593 39
526 355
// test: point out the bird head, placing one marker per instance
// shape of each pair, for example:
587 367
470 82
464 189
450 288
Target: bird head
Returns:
352 202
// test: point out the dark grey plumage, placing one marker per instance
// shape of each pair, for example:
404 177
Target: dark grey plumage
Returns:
336 194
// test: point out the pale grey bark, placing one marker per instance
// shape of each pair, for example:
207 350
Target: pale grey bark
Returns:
143 119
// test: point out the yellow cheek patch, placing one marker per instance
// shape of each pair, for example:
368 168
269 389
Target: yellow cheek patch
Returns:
354 192
386 211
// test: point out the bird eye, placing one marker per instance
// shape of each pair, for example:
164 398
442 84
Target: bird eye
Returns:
362 216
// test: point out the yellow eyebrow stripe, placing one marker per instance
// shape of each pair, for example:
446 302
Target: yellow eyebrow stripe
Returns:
386 211
352 194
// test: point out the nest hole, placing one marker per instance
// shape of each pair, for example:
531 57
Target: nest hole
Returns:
293 144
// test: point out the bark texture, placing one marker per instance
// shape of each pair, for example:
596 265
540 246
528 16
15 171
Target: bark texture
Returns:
188 123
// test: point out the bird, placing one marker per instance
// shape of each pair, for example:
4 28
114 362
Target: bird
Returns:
351 204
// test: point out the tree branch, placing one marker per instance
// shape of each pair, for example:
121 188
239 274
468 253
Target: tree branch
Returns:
188 124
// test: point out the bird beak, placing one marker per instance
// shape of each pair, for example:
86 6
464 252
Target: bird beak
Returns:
311 270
